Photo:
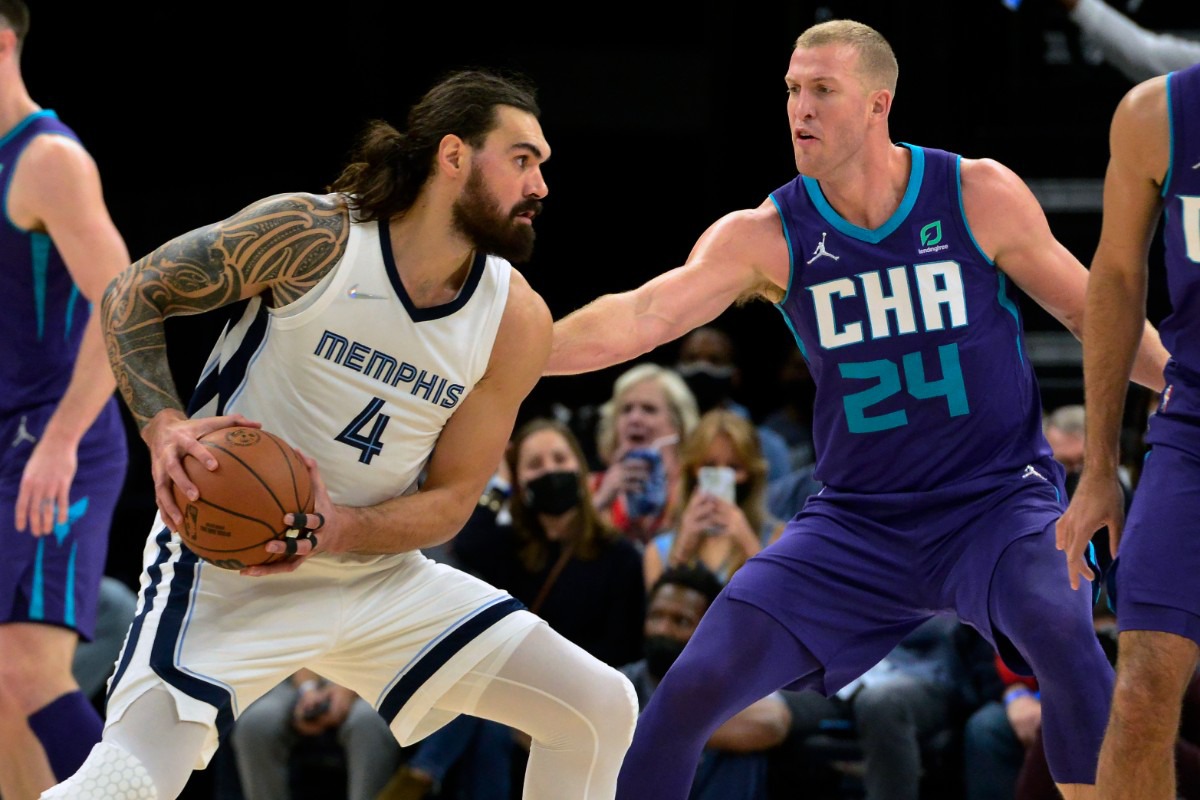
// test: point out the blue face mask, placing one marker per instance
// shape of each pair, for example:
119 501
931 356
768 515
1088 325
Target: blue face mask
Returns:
553 493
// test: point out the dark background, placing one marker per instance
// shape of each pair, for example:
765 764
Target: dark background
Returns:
662 117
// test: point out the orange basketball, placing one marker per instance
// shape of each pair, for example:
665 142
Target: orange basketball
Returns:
258 479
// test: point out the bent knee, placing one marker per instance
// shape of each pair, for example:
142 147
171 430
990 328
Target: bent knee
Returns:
614 709
601 717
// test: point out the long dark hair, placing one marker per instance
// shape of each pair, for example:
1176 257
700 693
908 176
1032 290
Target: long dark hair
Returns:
591 533
387 167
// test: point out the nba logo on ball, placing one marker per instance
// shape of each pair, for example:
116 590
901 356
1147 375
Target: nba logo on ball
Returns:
190 514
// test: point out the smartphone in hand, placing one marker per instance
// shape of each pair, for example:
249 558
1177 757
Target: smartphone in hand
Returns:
719 482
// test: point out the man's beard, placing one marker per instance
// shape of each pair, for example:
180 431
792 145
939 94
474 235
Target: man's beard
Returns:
477 216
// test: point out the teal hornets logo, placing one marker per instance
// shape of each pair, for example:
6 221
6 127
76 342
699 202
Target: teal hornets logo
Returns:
931 234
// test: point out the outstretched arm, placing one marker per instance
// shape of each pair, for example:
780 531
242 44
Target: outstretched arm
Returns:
284 243
56 189
741 256
1116 311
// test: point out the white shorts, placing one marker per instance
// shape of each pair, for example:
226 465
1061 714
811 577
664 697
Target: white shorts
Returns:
399 630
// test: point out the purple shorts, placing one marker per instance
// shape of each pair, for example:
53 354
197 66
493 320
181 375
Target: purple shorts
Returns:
853 573
1153 581
55 579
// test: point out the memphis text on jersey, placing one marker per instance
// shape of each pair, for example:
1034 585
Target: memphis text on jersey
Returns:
386 369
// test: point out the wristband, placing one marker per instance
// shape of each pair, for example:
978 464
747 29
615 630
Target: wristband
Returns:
1012 695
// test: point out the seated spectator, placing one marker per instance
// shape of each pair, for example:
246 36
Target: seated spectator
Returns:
999 733
651 410
710 530
305 705
917 691
735 762
547 546
707 361
551 549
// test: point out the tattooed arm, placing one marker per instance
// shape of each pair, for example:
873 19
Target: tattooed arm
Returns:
282 244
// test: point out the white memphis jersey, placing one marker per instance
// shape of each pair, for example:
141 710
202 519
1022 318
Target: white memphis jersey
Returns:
352 373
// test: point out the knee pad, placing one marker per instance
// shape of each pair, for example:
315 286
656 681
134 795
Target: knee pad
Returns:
108 773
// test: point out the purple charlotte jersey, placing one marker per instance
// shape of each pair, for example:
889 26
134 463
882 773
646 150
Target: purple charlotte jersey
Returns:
1178 418
52 579
940 494
44 314
913 338
1153 580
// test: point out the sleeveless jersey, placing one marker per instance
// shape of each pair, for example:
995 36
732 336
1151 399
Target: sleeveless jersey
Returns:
353 373
913 337
1181 244
44 313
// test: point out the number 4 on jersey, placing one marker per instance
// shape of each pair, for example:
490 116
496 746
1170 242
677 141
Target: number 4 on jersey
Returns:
368 443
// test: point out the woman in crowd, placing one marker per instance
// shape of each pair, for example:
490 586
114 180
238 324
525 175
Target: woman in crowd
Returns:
651 410
718 532
548 547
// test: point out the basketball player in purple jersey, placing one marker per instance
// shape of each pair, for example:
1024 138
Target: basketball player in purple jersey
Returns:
64 451
1154 164
896 269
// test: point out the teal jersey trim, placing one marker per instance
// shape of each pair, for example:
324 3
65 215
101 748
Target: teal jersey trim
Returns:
915 176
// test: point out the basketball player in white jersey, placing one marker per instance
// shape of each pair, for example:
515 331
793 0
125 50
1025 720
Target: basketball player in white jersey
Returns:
387 337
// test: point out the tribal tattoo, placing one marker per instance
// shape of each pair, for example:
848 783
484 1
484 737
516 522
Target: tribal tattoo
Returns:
284 244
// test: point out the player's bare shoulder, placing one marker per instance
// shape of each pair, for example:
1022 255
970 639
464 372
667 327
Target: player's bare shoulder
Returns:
50 172
751 239
284 243
527 325
1140 133
526 313
287 241
998 205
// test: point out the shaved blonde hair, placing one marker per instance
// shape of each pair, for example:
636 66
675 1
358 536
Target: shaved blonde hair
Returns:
876 61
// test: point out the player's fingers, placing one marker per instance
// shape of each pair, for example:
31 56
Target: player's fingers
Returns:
193 447
312 521
21 513
1078 568
166 504
175 474
237 419
1060 533
45 516
64 506
1115 530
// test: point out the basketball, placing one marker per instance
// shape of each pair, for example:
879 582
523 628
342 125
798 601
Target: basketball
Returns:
259 478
